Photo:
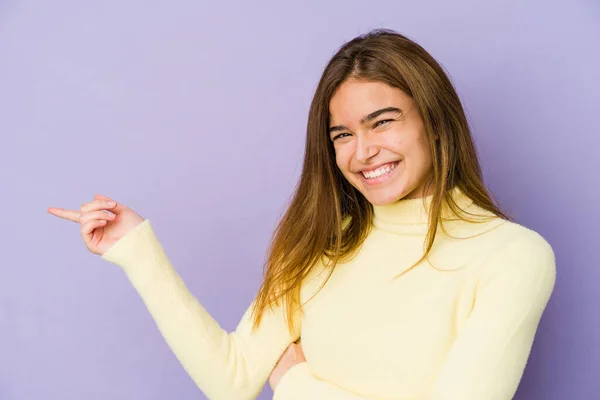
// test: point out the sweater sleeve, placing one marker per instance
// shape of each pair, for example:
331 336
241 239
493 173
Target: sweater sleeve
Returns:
223 365
489 355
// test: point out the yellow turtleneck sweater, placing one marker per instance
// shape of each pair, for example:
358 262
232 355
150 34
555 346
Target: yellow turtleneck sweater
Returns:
461 329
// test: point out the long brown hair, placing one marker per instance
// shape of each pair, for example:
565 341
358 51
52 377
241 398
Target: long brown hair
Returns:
327 218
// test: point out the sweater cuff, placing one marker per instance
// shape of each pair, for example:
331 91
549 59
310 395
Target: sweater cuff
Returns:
291 381
139 252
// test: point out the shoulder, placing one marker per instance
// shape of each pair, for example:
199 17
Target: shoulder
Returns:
522 242
521 255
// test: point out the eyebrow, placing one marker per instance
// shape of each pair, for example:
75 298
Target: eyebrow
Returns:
367 118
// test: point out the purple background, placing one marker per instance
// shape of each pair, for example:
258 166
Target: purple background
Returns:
194 113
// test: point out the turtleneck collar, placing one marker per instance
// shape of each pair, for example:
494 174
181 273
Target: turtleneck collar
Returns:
411 216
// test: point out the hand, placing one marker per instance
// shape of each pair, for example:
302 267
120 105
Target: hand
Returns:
291 356
100 230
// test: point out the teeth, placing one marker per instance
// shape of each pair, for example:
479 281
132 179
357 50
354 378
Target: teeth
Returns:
379 171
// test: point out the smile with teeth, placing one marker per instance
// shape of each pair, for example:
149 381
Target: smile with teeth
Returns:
385 169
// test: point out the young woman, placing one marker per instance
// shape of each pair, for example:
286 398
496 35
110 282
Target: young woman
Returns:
393 264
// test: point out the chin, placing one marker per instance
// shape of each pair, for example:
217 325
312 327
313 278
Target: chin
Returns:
383 197
383 200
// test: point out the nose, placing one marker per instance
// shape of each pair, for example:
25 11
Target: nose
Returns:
365 148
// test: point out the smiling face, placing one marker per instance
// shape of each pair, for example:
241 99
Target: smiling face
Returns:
380 143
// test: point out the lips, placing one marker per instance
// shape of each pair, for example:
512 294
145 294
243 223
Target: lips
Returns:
378 166
384 177
380 171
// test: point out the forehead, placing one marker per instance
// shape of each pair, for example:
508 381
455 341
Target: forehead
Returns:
354 99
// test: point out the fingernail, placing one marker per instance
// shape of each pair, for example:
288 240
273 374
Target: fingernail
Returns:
112 203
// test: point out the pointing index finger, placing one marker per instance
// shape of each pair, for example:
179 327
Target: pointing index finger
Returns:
65 214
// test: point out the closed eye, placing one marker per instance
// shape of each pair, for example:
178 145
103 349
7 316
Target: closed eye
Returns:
378 123
383 121
339 136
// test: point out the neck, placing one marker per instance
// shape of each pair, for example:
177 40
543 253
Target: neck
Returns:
412 215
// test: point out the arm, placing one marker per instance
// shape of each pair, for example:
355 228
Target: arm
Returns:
488 357
299 383
223 365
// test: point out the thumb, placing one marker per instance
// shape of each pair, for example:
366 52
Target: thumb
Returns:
115 210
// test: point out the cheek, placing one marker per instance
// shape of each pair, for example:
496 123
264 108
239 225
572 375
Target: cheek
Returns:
421 157
425 151
399 144
338 160
342 159
416 150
